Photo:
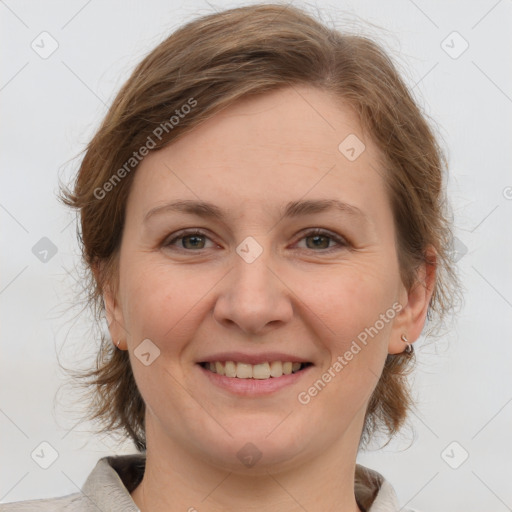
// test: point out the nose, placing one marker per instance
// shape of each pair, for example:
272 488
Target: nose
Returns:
253 297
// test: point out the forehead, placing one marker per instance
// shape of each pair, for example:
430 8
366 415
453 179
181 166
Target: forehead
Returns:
268 149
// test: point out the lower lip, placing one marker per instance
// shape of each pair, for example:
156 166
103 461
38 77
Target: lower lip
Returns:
254 387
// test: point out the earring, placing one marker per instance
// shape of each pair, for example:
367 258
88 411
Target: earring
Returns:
118 341
408 349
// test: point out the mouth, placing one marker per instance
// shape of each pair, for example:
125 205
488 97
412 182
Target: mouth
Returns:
261 371
253 375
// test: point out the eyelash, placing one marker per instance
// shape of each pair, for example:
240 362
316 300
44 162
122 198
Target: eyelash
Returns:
342 242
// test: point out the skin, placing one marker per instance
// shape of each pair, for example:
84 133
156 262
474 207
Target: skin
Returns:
299 297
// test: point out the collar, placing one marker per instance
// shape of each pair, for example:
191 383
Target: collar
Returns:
115 477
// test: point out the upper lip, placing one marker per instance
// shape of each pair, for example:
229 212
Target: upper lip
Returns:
242 357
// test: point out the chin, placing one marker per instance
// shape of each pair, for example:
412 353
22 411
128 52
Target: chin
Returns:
252 450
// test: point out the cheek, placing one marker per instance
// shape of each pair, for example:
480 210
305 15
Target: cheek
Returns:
163 303
355 307
351 299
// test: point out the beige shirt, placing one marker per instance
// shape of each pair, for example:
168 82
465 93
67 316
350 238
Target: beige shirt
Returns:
108 487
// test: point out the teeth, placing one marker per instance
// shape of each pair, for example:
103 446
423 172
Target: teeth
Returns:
257 371
276 369
230 369
244 371
219 368
261 371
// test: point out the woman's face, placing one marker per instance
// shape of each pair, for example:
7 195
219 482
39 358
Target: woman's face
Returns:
259 285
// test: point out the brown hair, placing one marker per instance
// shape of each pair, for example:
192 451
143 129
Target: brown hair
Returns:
214 61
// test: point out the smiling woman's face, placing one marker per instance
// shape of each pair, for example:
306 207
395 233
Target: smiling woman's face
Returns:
258 284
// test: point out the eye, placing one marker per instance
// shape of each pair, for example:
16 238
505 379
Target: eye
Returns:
320 239
193 239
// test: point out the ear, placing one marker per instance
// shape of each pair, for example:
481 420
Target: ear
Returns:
411 318
113 311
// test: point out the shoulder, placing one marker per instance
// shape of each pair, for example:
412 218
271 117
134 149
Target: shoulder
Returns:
374 493
107 487
71 502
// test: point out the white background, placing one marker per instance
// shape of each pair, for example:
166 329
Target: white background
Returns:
51 107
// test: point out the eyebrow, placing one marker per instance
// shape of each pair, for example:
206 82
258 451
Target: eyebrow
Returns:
291 209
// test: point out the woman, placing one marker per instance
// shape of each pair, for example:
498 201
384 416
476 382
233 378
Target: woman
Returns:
262 215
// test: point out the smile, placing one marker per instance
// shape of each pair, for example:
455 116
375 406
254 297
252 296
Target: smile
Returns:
261 371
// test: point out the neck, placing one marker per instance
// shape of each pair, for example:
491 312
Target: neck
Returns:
177 480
